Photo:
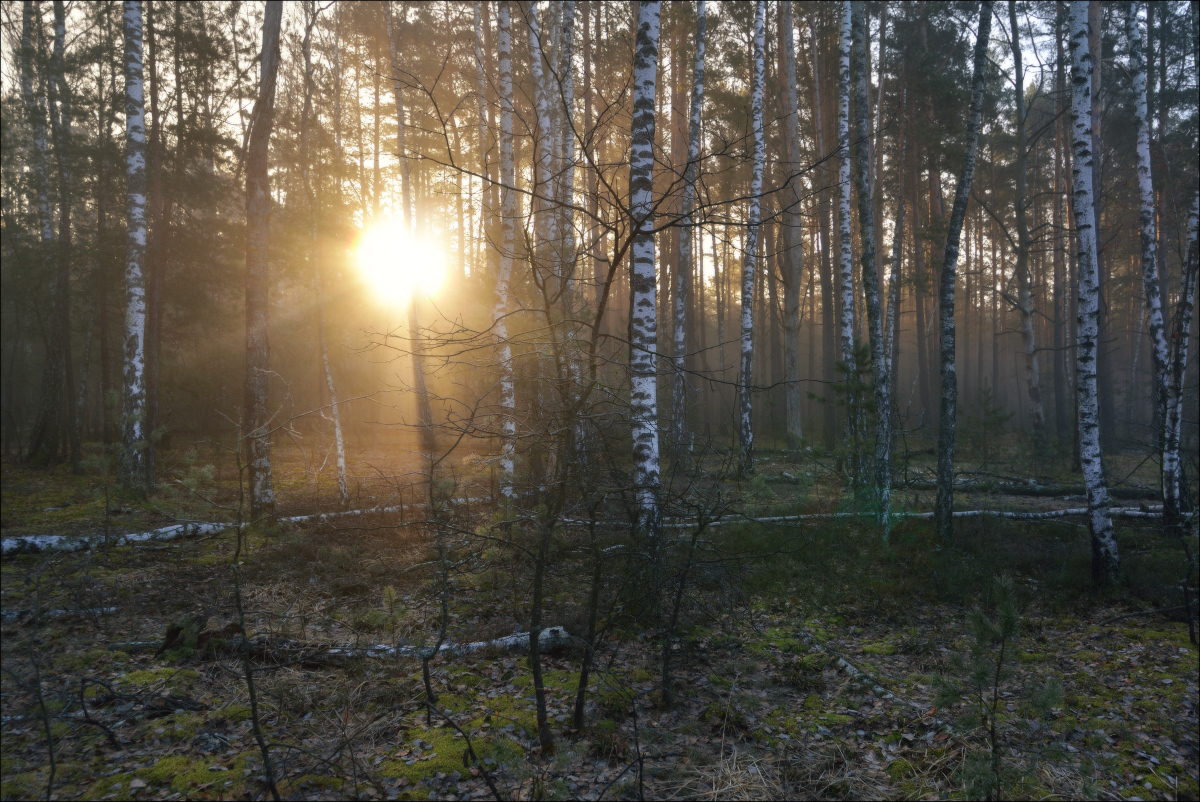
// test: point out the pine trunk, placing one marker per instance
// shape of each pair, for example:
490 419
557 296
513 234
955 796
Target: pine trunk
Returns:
944 505
791 235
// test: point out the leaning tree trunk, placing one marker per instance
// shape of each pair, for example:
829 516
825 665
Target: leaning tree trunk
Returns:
132 473
683 270
1033 381
793 238
944 505
746 381
509 213
1153 309
256 418
643 290
845 274
1181 334
424 408
870 274
1105 560
310 196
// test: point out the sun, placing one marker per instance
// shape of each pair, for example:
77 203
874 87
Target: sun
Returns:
397 265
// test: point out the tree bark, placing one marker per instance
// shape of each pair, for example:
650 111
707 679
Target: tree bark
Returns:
509 215
746 377
644 323
132 474
791 234
1181 335
845 273
945 465
256 418
684 269
1037 414
828 306
870 273
1105 560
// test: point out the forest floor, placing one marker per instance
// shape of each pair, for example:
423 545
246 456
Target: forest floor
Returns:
808 662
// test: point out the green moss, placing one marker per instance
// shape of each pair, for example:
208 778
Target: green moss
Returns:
174 677
184 775
834 719
899 769
641 675
883 648
444 752
234 713
22 786
813 702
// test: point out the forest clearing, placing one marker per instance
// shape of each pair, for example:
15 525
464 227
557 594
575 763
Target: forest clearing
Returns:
599 400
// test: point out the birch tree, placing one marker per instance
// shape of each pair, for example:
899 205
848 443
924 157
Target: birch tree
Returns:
1105 560
1033 383
642 279
133 409
845 274
1149 241
310 19
1181 335
428 442
255 415
791 234
509 214
685 267
944 504
870 276
753 213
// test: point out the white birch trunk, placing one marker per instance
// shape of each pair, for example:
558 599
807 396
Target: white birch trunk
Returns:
684 269
484 139
1181 335
944 504
565 192
509 214
644 323
845 275
133 411
424 410
543 184
790 233
305 172
1152 311
746 383
870 275
256 417
1105 560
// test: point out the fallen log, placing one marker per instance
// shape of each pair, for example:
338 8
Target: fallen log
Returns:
32 544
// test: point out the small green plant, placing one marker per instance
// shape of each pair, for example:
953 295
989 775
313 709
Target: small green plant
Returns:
980 679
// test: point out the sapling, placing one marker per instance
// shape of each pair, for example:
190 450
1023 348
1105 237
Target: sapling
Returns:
980 681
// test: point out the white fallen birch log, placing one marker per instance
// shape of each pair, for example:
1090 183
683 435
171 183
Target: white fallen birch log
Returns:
32 544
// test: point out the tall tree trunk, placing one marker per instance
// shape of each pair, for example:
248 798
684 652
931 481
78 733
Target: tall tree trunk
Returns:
892 324
845 273
746 378
306 159
944 509
60 124
1103 356
256 418
644 324
428 441
44 441
509 214
1059 221
1105 560
684 269
155 245
870 274
1037 414
828 305
791 235
132 473
1181 335
1153 308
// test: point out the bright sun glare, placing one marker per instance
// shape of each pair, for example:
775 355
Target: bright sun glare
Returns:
396 264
